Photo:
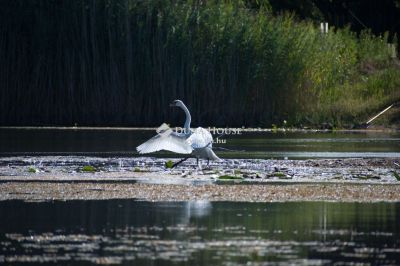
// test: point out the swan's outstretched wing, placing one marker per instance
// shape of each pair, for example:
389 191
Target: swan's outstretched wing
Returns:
200 138
171 142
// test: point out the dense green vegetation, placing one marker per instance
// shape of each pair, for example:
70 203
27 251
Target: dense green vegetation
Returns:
120 62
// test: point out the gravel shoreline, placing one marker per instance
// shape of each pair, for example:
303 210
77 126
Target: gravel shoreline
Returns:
46 178
49 191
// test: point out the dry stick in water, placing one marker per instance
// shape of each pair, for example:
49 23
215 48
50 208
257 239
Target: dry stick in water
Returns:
373 118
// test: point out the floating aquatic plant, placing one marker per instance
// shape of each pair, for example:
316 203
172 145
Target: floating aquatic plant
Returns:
32 170
396 175
280 175
229 177
169 164
366 177
237 172
88 168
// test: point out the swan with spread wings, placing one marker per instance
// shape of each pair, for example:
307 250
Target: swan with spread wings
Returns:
196 142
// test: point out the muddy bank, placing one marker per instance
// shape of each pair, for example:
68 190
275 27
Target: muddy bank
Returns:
48 191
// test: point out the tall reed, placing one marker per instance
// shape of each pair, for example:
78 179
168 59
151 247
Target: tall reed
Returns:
120 62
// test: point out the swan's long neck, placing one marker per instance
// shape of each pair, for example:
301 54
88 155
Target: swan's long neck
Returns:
188 119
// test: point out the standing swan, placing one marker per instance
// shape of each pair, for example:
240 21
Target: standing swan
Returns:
197 142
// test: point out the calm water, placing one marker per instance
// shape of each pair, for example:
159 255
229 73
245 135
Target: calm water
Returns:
133 232
199 233
248 145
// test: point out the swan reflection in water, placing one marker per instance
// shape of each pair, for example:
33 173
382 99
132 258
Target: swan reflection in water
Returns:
198 208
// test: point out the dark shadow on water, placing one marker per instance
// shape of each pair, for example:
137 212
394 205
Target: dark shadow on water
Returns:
259 145
199 232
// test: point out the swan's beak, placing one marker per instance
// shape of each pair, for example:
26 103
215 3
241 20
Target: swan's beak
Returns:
172 105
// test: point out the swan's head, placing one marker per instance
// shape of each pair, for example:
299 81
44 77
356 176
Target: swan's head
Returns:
177 103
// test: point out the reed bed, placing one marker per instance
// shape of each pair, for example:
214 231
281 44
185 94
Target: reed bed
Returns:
120 62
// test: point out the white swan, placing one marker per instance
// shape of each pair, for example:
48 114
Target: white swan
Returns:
197 142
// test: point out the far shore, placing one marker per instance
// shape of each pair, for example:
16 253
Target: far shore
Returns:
244 129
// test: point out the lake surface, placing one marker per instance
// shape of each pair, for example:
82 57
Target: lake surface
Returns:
260 145
133 232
